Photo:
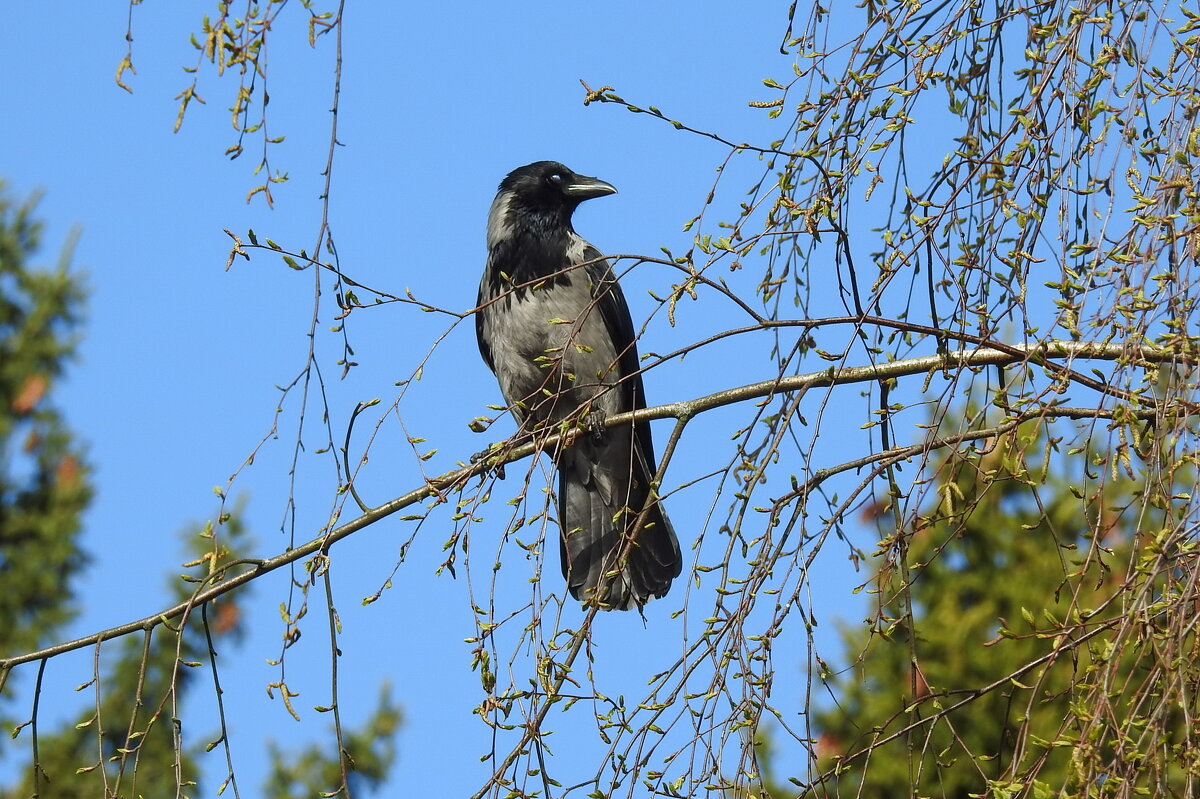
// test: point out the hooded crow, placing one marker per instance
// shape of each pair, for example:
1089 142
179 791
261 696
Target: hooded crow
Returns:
555 328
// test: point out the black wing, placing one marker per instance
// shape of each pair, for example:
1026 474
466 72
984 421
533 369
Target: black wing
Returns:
614 310
484 349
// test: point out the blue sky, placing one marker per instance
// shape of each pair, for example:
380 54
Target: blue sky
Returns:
178 368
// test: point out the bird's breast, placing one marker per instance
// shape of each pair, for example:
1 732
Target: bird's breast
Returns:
550 348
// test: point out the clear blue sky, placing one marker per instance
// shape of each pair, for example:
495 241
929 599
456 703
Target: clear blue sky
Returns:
176 378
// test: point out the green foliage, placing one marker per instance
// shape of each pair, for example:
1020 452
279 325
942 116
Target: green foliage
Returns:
130 747
44 479
142 687
312 772
1001 661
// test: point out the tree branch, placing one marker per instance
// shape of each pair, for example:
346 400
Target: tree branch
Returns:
522 447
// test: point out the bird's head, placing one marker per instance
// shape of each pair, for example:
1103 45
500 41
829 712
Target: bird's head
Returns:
548 187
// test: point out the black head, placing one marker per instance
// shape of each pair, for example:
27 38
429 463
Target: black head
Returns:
548 186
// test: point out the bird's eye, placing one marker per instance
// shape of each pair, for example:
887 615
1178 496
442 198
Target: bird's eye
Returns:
555 178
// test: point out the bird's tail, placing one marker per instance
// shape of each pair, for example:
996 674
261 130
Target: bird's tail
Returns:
607 559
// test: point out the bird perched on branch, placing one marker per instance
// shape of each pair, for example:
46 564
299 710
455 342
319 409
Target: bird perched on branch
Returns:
555 328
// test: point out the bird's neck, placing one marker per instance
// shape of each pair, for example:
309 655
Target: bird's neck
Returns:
528 244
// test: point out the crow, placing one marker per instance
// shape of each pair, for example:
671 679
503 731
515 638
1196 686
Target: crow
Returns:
555 329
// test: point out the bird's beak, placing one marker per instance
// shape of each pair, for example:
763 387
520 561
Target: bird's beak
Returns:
585 188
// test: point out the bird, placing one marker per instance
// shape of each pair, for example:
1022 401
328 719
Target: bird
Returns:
554 327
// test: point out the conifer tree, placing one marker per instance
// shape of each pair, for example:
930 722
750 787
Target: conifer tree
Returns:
1001 578
44 478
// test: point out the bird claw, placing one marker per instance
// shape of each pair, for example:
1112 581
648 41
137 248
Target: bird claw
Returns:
482 454
595 424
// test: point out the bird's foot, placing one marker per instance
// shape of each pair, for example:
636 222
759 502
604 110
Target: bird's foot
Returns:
595 424
482 455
